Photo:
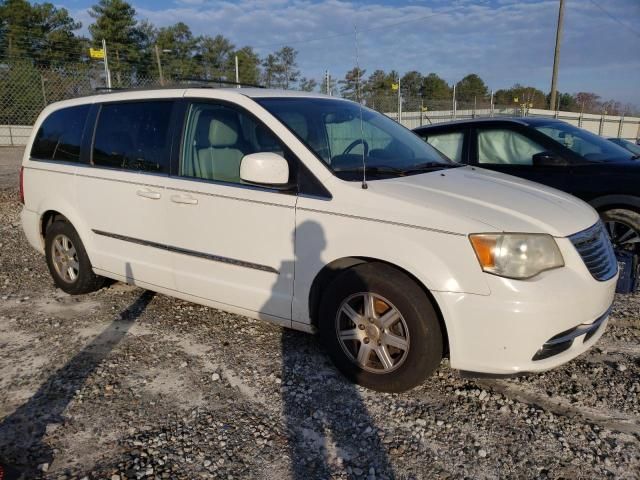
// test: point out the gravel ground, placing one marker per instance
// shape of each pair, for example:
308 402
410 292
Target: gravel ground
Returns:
125 383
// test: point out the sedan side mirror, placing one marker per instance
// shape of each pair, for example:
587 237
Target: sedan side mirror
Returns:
547 159
265 168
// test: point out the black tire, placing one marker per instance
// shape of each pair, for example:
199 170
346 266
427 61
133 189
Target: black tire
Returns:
424 351
625 219
85 281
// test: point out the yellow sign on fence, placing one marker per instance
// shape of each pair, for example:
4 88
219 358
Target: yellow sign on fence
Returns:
394 86
96 53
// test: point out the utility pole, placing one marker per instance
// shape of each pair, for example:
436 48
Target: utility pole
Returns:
556 56
107 72
491 104
454 101
237 73
399 101
159 65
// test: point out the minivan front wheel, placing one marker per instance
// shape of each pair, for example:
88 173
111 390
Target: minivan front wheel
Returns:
67 260
380 328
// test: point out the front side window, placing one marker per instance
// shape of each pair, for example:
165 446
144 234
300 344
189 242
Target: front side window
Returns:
450 144
506 147
217 137
586 144
133 136
60 135
349 138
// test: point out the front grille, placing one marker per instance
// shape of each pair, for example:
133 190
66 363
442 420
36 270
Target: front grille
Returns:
595 248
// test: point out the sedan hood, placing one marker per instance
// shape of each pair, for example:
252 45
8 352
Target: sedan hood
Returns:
471 200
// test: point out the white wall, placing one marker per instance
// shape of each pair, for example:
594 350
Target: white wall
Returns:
605 125
15 135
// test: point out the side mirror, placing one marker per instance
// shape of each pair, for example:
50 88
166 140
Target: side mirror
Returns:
547 159
265 168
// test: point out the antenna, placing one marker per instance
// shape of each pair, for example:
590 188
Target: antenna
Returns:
359 99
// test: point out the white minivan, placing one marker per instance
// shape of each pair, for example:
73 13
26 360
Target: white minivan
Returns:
318 214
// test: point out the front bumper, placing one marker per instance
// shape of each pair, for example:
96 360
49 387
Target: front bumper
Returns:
517 327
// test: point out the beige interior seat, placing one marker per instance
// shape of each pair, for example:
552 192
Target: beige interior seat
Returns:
221 159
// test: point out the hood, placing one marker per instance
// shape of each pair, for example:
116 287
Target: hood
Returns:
472 200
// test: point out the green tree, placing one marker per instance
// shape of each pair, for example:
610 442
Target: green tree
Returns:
411 84
41 33
215 55
435 88
379 93
471 88
179 48
351 85
271 70
308 84
115 22
288 71
248 65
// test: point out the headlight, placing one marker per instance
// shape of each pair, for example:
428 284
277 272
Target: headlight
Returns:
516 255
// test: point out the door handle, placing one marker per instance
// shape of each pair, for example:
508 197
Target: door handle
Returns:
187 199
148 194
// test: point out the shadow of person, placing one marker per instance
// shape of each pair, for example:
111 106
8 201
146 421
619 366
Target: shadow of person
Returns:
22 433
330 432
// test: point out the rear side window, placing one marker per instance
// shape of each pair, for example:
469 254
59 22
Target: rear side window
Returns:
60 135
133 136
448 143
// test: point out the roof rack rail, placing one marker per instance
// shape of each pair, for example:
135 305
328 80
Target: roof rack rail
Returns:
219 80
109 89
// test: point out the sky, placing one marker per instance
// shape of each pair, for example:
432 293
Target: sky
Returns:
503 41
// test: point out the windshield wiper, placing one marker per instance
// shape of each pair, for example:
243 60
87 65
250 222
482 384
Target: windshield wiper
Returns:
378 170
430 166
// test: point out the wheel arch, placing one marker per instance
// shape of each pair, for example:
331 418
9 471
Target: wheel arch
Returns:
47 219
609 202
330 271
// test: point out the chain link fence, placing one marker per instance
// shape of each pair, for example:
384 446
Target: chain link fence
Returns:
26 89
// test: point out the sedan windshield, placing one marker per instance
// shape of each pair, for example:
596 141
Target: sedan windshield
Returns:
349 138
586 144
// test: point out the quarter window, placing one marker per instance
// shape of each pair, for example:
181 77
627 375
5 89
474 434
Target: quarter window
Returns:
449 144
506 147
60 135
216 139
133 136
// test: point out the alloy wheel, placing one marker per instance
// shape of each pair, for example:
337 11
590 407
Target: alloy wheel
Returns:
65 258
372 332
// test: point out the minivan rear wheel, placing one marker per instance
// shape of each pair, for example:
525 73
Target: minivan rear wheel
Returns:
380 328
68 261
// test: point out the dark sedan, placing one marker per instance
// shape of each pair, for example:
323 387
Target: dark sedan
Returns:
557 154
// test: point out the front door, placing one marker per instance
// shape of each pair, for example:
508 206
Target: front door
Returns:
509 151
232 243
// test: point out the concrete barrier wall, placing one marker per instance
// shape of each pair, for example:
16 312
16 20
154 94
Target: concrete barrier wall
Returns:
605 125
14 135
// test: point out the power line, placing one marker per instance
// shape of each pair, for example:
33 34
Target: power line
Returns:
616 19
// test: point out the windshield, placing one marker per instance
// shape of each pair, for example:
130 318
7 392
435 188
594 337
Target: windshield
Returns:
627 145
586 144
332 130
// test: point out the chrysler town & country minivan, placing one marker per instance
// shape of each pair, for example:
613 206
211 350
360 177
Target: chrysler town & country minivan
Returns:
317 214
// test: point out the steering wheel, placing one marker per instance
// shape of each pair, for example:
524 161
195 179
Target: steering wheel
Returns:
353 144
